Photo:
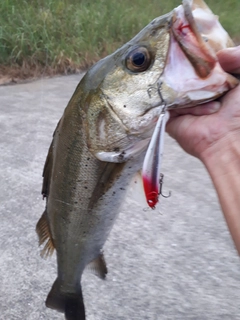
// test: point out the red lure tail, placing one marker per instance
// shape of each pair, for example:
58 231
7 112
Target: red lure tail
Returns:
151 193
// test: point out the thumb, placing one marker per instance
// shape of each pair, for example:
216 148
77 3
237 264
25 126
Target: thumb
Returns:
229 59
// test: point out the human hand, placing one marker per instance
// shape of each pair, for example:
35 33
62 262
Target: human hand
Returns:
211 133
200 128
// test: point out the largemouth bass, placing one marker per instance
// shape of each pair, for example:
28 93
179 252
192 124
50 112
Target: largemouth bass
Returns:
101 140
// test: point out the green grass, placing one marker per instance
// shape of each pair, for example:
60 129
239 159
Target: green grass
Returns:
67 34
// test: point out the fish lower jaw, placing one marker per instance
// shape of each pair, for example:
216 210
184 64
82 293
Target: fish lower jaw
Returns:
201 95
193 98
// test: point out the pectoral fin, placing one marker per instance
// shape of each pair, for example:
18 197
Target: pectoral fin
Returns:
133 150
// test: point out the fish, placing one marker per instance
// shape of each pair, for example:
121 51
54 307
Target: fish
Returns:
108 127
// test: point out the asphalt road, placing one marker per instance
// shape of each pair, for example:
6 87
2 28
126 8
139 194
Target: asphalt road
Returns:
177 262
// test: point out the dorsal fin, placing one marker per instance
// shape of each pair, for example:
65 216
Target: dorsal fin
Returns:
44 236
98 266
47 170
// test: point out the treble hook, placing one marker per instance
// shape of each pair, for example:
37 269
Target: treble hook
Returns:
161 185
158 89
159 86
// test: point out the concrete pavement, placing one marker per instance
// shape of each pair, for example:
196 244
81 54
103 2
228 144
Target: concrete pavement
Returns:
176 263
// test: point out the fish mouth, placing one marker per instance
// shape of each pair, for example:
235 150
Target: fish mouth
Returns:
189 38
192 73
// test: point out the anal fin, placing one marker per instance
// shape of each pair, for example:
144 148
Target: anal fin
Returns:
98 266
44 236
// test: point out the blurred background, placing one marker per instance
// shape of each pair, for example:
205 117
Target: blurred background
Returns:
47 37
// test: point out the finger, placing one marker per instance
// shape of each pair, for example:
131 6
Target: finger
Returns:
175 127
200 110
231 98
230 59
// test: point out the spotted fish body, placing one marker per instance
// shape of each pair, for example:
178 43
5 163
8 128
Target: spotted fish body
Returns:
100 143
83 197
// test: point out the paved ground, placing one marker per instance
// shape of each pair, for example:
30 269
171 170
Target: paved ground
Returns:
179 263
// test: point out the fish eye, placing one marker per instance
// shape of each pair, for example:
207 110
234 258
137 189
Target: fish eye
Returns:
138 60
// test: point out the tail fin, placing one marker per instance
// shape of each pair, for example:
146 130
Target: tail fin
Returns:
69 303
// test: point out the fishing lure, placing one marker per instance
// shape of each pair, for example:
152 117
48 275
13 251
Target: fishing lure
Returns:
152 178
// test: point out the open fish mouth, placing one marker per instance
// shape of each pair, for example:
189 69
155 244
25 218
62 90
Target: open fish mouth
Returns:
192 75
186 33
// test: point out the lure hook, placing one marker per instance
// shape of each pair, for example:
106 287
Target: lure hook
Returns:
161 186
158 89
